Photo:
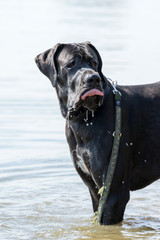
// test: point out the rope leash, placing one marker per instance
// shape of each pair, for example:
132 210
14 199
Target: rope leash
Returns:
105 189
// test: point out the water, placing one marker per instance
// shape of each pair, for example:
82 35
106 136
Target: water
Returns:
42 197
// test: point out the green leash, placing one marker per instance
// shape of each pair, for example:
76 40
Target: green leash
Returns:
104 191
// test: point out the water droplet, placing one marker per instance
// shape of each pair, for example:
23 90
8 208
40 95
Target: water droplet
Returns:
86 119
99 104
131 144
87 115
68 119
68 123
87 124
92 113
126 144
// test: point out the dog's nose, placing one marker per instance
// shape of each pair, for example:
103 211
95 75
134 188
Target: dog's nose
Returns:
92 79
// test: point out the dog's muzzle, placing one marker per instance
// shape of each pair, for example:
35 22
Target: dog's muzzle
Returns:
92 95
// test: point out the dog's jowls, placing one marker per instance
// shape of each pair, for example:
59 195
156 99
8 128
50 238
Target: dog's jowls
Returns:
87 102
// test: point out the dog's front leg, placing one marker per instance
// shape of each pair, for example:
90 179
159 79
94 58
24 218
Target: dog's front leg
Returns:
116 204
87 179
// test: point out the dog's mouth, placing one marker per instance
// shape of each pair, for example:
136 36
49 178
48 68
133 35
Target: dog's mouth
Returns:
91 93
92 98
89 99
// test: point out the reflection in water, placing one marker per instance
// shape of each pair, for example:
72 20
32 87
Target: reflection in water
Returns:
42 197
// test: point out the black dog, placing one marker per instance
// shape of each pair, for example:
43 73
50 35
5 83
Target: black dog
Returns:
87 102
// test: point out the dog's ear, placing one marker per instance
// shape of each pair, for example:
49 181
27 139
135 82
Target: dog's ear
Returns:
47 64
98 55
99 60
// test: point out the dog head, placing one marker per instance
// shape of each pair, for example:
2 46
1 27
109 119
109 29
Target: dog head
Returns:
75 71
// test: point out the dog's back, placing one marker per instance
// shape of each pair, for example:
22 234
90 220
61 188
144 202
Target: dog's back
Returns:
142 103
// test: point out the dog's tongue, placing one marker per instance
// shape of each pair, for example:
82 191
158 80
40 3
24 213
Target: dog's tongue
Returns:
91 92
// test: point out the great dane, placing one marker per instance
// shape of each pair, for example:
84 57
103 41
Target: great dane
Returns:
87 103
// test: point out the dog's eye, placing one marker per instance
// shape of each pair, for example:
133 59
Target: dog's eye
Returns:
71 64
94 63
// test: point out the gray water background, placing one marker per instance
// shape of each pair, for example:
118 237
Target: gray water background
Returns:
42 197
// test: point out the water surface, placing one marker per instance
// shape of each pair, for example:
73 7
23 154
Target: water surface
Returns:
42 197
